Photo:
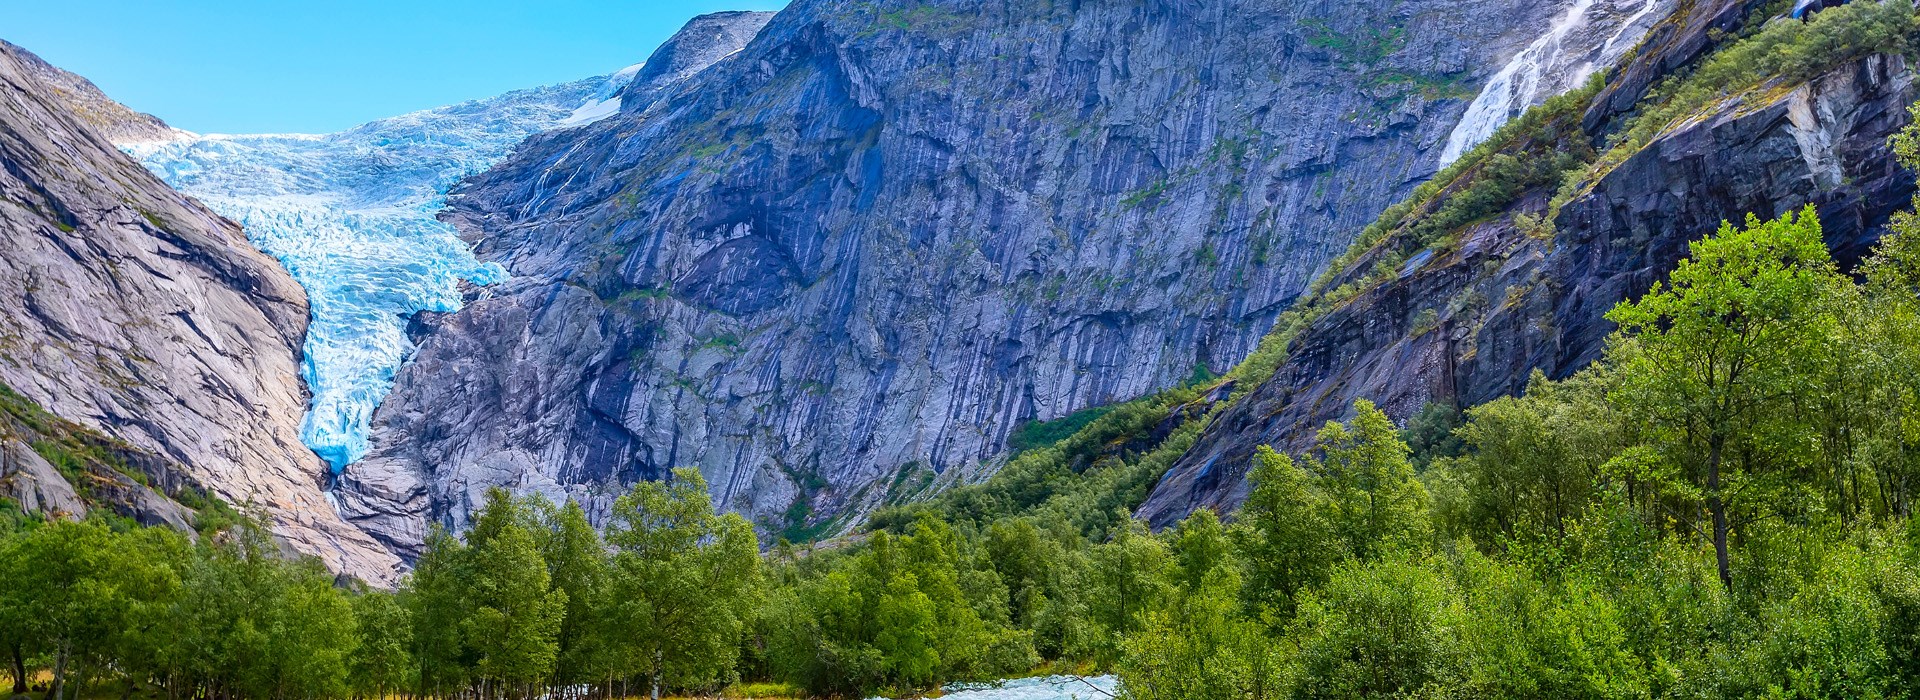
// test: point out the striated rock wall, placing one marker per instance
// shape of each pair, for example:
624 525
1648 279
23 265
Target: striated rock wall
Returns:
136 313
1503 303
851 257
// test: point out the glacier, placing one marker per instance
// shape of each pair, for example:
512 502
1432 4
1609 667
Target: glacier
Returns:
352 216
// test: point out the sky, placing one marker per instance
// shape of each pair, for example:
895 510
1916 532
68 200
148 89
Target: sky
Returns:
303 66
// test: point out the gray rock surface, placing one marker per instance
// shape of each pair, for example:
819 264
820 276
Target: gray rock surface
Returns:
702 42
34 484
138 314
885 233
86 102
1507 303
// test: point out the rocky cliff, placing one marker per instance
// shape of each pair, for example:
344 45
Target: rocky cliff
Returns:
847 260
87 103
148 327
1465 323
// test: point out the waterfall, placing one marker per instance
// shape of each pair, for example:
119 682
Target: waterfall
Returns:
1545 67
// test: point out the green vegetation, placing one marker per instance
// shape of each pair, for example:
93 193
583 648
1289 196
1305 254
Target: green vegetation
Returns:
1032 434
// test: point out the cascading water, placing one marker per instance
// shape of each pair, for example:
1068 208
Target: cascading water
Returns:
1590 33
351 216
1041 688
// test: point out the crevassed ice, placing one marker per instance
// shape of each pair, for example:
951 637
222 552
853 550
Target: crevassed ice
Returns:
1591 33
1043 688
351 216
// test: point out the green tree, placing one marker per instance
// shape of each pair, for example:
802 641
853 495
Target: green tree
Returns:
1125 578
1534 461
1283 535
1714 357
578 564
1386 629
685 580
515 613
1373 502
1202 648
906 629
436 600
382 660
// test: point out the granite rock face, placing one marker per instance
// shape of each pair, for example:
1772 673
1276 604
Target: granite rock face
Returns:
702 42
137 314
88 104
864 248
1504 304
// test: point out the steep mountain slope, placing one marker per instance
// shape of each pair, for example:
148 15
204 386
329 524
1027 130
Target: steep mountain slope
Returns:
1466 319
138 314
91 106
847 261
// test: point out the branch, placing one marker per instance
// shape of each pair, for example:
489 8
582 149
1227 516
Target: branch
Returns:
1083 680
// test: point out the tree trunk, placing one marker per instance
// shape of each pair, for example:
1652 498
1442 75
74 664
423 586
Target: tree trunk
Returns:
55 690
19 671
1717 507
656 675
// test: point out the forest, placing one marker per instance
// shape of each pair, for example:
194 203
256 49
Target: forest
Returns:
1722 506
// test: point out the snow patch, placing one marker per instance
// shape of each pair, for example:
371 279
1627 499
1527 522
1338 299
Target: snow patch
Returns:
605 101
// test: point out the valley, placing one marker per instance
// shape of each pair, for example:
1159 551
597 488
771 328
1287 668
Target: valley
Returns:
1160 350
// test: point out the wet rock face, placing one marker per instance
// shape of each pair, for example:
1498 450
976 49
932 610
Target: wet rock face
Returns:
136 313
1507 304
885 233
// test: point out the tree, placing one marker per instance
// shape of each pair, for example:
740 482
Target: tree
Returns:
1126 577
382 660
1535 460
1201 648
1714 357
577 562
1283 535
1373 502
1200 546
65 592
684 580
436 602
515 614
907 629
1386 629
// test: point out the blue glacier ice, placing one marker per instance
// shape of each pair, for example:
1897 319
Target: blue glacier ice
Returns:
351 216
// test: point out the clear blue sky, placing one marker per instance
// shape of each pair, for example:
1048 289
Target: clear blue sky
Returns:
248 66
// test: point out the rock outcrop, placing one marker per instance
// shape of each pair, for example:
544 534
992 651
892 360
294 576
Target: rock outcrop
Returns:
86 102
1470 323
883 234
137 314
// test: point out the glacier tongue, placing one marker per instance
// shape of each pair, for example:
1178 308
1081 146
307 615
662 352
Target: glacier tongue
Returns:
351 216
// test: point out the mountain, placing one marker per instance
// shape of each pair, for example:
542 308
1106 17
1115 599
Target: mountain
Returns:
144 339
87 103
838 268
1526 286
